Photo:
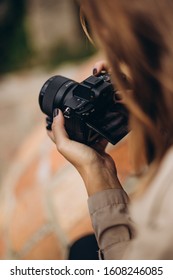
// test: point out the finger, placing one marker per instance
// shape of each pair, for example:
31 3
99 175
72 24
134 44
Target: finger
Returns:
100 145
60 135
49 127
70 149
48 123
49 119
99 66
50 134
103 144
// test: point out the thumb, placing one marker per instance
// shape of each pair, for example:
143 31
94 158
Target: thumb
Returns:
58 129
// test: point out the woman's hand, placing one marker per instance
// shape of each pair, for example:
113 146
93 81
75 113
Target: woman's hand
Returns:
100 66
95 166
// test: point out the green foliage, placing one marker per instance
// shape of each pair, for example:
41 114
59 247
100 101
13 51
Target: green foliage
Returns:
63 53
14 46
16 51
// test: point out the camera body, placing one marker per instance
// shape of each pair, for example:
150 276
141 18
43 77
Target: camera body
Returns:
90 108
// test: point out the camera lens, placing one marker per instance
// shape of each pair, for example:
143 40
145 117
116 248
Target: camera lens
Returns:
49 92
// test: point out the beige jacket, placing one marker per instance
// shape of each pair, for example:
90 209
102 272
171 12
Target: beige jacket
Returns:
143 230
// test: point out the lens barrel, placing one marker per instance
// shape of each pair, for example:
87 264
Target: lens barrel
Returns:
48 93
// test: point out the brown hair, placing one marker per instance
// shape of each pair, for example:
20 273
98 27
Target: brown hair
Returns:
139 33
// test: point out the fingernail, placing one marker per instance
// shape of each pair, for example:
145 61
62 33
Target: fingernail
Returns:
94 71
55 112
49 119
49 127
48 123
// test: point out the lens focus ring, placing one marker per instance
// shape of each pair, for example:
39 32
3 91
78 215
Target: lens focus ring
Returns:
48 94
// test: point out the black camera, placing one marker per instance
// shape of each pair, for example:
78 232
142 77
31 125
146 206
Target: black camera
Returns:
91 108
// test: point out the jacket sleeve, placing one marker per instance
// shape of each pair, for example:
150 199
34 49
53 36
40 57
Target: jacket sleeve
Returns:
115 232
155 233
111 222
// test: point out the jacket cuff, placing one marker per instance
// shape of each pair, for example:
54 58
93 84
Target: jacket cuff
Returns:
107 197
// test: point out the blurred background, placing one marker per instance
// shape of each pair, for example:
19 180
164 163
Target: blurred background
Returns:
43 203
37 36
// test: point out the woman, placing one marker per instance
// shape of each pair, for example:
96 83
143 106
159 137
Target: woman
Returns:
137 35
